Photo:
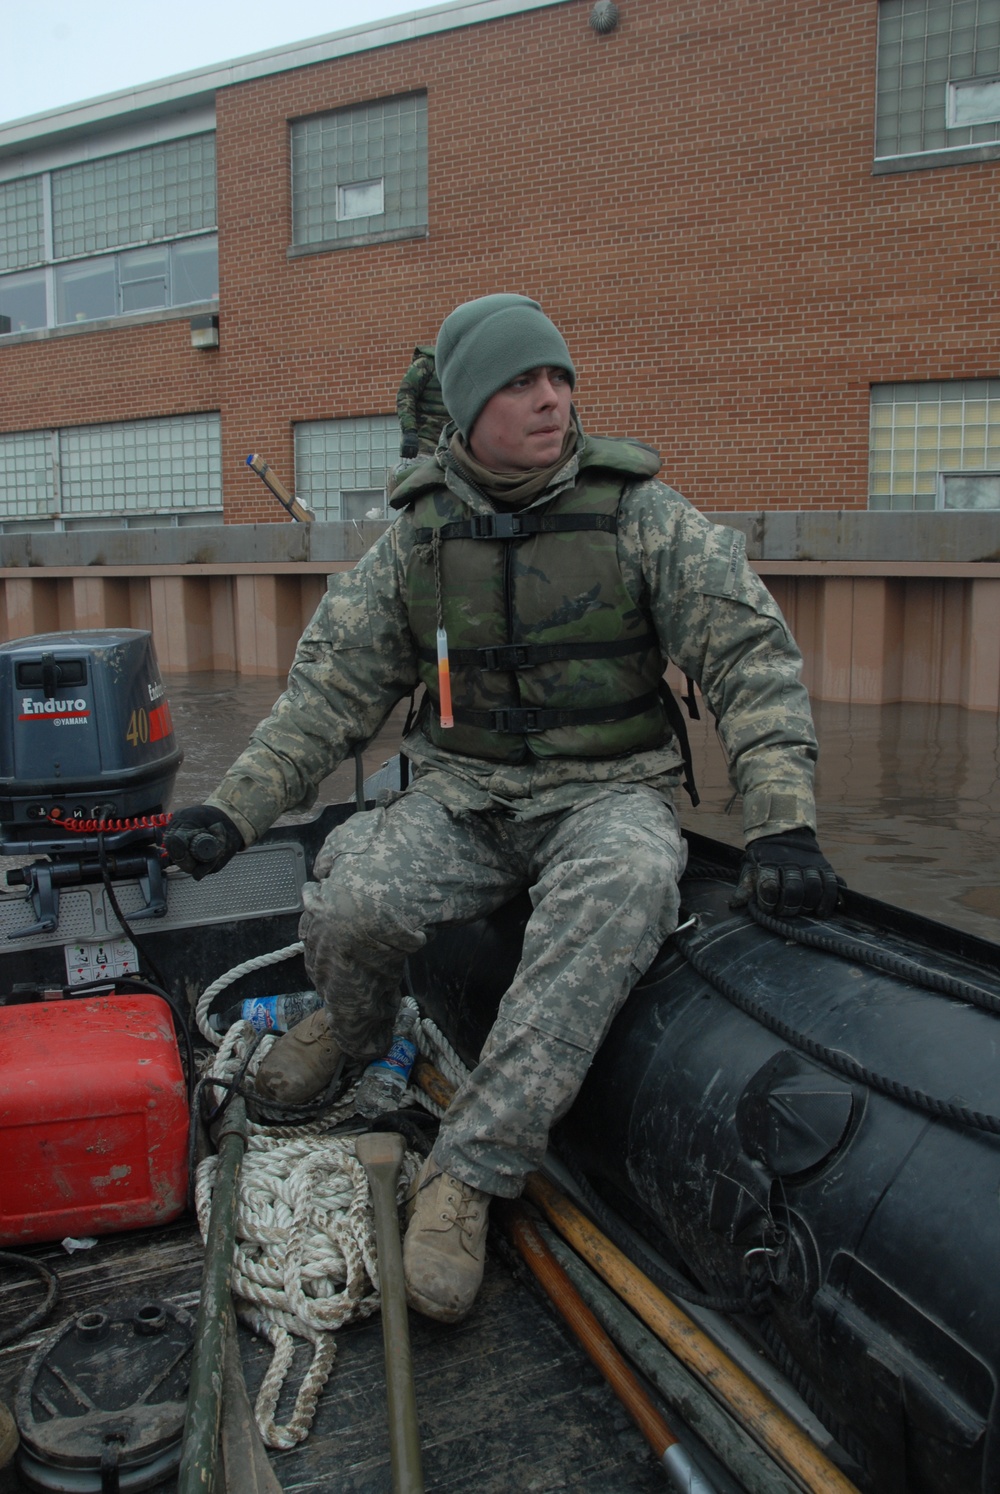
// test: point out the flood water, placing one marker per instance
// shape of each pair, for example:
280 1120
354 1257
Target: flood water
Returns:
908 795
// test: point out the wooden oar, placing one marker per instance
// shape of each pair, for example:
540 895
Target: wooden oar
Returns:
200 1447
752 1408
683 1474
381 1154
757 1412
755 1470
297 510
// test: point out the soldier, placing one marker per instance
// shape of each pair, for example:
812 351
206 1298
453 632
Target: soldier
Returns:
564 576
421 411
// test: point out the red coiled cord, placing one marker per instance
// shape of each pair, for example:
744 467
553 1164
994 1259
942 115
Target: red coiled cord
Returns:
109 827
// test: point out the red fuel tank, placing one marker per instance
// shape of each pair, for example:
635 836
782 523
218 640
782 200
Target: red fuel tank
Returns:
93 1117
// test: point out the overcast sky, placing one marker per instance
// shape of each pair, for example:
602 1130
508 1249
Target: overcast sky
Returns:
62 51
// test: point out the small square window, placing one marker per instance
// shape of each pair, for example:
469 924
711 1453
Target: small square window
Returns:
968 490
363 503
973 101
361 199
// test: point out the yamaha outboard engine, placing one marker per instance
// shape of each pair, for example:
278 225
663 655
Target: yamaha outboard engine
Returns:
87 763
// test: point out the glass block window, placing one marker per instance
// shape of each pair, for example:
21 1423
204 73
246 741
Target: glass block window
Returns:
341 465
76 224
141 466
159 192
27 475
22 223
938 71
360 171
935 445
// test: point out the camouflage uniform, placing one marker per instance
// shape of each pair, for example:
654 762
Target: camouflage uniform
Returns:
594 838
420 404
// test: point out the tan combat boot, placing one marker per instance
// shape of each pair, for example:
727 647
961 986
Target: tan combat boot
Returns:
444 1249
301 1063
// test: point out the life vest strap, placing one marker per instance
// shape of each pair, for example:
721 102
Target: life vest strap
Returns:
513 656
521 721
516 526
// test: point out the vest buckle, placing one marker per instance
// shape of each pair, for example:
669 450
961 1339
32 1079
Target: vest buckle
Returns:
505 656
517 722
497 526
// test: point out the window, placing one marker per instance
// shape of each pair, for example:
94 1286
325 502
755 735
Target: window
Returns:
127 473
130 232
22 223
27 475
935 445
938 80
160 192
969 490
360 174
341 465
23 299
973 101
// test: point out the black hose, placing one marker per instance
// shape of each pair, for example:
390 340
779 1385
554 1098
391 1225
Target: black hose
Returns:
102 856
179 1015
38 1314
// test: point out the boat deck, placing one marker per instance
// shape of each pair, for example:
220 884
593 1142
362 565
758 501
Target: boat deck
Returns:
507 1401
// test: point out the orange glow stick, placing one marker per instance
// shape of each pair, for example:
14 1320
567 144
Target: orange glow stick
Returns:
444 679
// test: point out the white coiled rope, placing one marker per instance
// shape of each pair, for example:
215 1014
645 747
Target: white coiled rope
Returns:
259 962
304 1259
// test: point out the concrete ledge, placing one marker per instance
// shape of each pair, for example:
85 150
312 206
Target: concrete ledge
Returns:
860 535
844 536
208 544
885 607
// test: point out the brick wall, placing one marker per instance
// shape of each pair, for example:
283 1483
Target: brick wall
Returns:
129 373
690 198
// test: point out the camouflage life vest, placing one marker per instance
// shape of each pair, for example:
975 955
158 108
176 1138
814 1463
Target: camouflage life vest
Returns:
549 655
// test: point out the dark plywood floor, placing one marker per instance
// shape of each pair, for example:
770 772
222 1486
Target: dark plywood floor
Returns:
507 1402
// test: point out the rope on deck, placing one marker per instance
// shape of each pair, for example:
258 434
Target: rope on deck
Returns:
304 1261
259 962
433 1044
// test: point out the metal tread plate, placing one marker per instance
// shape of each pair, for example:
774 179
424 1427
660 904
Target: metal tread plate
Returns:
264 879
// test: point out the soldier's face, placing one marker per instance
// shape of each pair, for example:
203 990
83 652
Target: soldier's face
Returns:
524 424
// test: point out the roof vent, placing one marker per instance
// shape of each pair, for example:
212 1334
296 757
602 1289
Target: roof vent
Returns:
604 17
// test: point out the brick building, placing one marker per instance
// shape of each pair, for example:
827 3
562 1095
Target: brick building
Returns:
768 231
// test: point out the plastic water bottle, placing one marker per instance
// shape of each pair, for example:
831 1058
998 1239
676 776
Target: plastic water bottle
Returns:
384 1081
268 1013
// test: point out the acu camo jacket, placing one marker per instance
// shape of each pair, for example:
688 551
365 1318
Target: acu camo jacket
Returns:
712 616
420 406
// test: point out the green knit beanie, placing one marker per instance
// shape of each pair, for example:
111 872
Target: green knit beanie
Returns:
484 344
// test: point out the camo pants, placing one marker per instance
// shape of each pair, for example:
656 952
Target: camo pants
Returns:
602 877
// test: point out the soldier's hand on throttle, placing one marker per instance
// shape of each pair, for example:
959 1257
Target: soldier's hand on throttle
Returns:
201 839
787 874
410 445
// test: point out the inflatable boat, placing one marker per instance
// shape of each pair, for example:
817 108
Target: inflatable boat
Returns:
793 1127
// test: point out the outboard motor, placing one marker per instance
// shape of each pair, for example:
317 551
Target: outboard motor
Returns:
87 764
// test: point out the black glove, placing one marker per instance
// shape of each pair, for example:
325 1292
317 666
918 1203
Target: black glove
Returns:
788 874
201 840
409 446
